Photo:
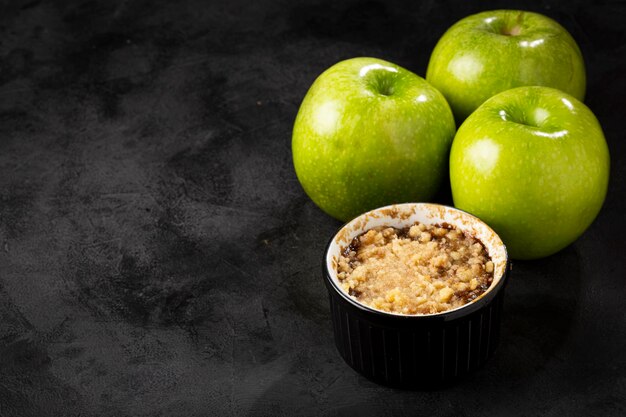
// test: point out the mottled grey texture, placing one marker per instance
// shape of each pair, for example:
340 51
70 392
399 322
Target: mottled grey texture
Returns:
158 256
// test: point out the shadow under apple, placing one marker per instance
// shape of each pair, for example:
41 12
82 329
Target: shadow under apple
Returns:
541 301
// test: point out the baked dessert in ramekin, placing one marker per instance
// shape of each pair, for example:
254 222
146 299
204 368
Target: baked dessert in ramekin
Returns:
416 293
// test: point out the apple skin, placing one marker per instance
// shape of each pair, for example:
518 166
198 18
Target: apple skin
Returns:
370 133
533 163
490 52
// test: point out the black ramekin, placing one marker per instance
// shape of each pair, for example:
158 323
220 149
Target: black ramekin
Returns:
416 351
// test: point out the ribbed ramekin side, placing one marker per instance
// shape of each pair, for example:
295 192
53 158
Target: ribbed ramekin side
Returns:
422 353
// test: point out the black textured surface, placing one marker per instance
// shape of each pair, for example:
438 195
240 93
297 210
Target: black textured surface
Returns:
158 256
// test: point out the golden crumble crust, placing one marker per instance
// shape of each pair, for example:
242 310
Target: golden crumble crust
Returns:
421 269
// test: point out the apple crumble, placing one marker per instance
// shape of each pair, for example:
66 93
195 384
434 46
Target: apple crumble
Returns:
421 269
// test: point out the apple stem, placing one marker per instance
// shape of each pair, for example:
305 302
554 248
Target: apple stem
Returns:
516 29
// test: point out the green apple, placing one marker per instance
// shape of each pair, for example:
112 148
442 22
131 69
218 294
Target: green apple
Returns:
490 52
533 163
370 133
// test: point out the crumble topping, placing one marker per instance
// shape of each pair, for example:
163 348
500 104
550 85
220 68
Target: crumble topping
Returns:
421 269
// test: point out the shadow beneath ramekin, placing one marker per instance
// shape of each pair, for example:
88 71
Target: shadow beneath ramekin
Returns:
541 301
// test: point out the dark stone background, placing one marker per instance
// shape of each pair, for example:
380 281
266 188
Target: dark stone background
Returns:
159 258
